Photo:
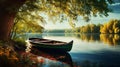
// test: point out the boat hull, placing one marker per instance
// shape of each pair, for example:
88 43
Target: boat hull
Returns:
62 47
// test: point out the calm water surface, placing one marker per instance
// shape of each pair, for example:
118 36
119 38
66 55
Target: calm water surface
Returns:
91 50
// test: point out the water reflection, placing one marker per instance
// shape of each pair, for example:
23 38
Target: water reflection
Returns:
88 63
106 59
39 58
63 58
110 39
88 37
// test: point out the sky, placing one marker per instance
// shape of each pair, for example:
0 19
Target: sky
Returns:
96 20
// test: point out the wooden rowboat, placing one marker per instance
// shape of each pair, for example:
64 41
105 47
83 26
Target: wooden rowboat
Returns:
48 44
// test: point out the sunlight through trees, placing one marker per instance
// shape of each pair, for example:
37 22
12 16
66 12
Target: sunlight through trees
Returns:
28 11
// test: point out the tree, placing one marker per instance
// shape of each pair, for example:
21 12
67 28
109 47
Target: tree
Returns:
55 9
87 29
7 14
113 26
116 26
110 26
92 28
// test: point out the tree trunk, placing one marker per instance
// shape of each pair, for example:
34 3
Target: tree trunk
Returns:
6 20
8 10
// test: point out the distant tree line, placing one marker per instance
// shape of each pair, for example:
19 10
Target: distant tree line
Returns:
112 26
54 31
90 28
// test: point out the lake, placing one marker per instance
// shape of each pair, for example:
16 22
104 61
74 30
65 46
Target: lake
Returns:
89 50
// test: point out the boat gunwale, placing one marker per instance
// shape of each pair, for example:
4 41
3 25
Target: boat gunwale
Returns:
63 47
49 43
64 44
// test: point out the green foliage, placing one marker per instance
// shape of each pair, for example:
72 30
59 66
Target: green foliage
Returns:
112 26
71 9
90 28
28 19
60 10
29 16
